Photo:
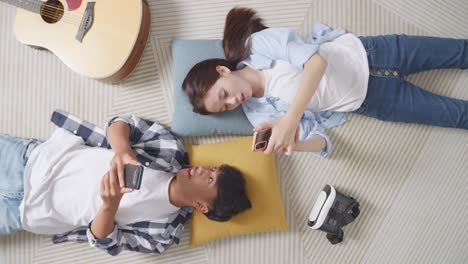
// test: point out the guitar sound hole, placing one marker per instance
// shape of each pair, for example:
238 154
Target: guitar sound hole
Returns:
52 11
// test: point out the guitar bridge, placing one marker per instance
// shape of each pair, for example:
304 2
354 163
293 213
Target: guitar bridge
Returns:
86 22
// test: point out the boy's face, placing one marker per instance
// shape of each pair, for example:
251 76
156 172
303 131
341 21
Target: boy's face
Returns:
199 184
228 92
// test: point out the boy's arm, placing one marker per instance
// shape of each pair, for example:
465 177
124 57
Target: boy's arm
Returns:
103 223
152 145
111 195
143 237
118 135
122 133
111 189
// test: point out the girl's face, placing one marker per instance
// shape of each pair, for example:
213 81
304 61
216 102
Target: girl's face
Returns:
228 92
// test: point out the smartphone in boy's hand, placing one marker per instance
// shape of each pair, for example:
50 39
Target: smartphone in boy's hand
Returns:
133 175
260 140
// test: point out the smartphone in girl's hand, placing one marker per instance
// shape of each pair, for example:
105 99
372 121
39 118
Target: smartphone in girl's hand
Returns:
260 140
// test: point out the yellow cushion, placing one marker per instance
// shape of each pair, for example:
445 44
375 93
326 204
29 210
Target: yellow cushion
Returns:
259 170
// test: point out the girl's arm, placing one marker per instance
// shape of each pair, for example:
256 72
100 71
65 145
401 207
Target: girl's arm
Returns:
316 143
314 70
284 130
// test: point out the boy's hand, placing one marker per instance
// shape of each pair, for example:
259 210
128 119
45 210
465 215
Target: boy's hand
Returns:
118 163
111 192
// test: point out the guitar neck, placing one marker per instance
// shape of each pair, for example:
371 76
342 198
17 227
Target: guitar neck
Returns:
30 5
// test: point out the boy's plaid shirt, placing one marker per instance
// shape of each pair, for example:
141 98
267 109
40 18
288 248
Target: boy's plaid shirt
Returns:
155 147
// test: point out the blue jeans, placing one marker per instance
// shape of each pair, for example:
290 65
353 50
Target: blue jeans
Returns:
391 98
14 153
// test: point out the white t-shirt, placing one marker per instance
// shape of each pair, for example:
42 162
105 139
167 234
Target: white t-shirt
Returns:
343 87
62 184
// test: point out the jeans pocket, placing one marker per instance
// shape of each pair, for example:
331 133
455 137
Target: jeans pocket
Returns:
9 213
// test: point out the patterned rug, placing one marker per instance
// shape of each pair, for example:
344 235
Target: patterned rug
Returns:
411 180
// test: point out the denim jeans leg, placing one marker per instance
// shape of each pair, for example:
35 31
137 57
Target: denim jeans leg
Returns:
14 153
401 101
411 54
420 53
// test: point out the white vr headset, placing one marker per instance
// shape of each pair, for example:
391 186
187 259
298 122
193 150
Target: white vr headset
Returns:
331 212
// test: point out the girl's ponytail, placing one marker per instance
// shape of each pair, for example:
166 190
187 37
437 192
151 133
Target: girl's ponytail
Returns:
240 24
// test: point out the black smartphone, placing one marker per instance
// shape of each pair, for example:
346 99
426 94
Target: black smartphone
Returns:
133 175
260 140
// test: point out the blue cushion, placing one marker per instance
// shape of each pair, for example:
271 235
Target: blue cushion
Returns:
185 122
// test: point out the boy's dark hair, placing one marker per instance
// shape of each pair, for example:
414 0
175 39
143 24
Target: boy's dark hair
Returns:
232 198
200 79
240 24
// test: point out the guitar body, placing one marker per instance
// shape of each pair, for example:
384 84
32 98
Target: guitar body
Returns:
109 49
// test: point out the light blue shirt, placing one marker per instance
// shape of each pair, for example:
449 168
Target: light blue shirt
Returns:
273 44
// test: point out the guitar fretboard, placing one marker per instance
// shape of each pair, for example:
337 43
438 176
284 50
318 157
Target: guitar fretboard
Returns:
30 5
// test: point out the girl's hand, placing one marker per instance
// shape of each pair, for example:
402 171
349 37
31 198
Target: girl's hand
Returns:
111 192
118 162
284 134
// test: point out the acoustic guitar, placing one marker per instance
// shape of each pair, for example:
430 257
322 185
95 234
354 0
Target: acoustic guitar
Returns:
100 39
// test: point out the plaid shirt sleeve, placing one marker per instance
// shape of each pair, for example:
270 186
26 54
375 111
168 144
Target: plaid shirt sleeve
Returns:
144 237
91 134
155 147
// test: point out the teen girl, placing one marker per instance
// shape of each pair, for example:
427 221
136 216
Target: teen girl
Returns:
300 87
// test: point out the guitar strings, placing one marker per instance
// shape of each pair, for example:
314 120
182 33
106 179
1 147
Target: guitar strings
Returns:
47 12
59 18
65 19
40 3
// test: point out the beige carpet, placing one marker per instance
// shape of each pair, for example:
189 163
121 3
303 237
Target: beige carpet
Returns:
411 180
